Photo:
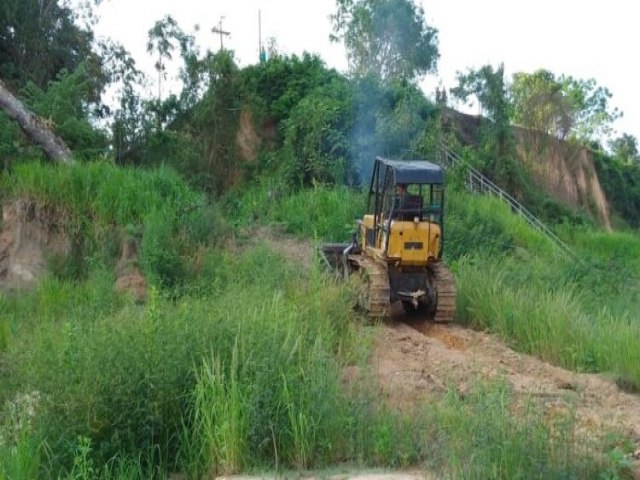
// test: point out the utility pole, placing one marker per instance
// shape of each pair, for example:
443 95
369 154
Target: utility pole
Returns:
260 32
262 56
219 30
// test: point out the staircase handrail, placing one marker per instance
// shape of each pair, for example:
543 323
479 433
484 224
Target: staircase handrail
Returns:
447 157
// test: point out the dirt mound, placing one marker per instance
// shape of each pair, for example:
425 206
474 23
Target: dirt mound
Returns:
414 365
32 233
247 138
299 252
129 277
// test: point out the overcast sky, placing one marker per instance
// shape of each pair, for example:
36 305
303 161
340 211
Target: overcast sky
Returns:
586 39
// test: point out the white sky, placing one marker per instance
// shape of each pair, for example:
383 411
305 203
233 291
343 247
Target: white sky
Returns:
586 39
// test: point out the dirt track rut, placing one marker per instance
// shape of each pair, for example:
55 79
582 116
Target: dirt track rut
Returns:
415 365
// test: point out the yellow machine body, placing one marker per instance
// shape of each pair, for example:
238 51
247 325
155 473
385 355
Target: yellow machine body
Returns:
407 243
398 246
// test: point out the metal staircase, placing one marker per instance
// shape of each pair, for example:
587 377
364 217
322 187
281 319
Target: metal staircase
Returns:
477 182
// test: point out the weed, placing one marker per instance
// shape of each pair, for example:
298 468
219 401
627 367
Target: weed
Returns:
242 369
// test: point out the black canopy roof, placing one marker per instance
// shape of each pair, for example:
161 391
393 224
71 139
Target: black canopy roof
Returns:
414 171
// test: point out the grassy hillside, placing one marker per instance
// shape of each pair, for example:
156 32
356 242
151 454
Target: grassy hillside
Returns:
235 357
100 206
236 364
578 314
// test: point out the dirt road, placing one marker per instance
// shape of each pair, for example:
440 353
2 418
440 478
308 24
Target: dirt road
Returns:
415 365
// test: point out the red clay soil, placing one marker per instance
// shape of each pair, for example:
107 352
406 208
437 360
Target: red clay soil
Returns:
414 364
421 362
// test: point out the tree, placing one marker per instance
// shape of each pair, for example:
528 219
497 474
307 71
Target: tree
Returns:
64 106
131 121
562 106
39 38
49 59
161 41
201 141
497 147
489 88
539 103
386 38
316 140
625 148
593 116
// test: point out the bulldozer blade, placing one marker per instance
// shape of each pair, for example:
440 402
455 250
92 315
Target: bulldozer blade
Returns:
333 254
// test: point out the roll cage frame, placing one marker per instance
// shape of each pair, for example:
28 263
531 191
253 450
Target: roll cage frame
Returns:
425 179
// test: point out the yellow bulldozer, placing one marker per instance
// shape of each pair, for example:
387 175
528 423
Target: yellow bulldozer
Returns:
397 247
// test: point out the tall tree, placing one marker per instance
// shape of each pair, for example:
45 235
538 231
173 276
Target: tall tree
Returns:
593 115
539 103
497 146
562 106
162 38
130 118
625 147
52 68
489 88
386 38
39 38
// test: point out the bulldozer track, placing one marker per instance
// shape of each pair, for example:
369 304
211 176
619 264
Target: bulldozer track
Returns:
376 291
446 289
375 297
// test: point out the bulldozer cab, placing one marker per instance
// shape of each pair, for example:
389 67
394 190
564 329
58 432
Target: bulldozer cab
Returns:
405 210
397 250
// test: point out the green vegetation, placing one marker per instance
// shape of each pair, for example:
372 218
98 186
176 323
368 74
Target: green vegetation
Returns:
100 192
100 206
390 39
562 106
507 441
240 368
621 183
324 213
290 114
580 314
150 359
235 361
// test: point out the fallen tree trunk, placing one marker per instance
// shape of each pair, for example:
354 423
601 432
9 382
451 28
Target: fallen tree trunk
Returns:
34 127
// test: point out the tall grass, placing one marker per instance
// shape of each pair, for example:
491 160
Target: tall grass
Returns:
220 418
581 314
124 378
323 212
101 191
21 453
488 435
99 206
553 324
244 369
245 377
476 224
